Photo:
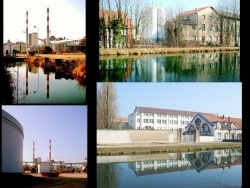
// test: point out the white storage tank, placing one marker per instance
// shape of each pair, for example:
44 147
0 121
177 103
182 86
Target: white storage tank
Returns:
12 144
43 167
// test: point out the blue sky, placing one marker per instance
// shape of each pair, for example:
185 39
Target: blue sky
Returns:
185 4
222 98
66 18
65 125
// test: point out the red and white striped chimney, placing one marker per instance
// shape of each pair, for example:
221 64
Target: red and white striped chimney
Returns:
27 32
50 150
47 40
33 152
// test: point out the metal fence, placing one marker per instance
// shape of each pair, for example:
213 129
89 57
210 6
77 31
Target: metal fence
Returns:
188 138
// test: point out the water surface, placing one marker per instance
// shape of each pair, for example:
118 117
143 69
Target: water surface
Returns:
38 85
199 67
215 168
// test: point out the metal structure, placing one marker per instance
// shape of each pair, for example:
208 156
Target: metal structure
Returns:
37 38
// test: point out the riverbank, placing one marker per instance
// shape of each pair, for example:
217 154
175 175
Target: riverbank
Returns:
64 56
144 148
161 50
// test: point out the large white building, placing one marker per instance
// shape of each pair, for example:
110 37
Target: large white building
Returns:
153 25
166 119
159 119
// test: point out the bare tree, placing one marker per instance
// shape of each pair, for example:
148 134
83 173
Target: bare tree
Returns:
230 19
174 26
107 107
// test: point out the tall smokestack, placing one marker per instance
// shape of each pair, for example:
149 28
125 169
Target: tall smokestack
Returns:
50 150
47 40
27 32
33 152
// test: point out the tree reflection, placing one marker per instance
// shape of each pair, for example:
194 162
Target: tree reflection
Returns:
185 67
108 175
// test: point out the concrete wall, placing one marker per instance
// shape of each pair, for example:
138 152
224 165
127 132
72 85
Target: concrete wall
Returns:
137 136
206 138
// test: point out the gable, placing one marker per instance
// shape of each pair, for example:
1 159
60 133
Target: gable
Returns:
199 122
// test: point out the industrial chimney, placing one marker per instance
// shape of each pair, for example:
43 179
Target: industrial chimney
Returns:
47 40
50 150
33 152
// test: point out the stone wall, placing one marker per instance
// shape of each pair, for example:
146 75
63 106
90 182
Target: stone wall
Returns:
137 136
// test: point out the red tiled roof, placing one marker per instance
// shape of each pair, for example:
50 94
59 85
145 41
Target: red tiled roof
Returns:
164 111
237 121
194 11
209 116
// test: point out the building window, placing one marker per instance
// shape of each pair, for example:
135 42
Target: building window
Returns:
209 39
145 120
210 27
210 17
203 27
158 121
216 39
203 39
239 136
192 38
216 28
203 17
193 26
219 136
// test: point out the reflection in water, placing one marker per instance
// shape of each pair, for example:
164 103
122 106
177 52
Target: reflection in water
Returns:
48 82
208 67
168 165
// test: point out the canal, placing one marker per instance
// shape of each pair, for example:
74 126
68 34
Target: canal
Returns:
197 67
215 168
36 84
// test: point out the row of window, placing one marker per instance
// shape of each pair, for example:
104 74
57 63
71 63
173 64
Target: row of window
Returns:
164 115
226 136
209 17
162 121
210 27
203 39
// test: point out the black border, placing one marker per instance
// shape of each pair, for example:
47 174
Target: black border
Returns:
92 61
244 54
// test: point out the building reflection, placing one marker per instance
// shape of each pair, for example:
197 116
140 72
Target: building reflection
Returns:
199 161
179 67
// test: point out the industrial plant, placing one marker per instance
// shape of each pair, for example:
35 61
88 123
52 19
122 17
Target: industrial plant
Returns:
13 164
50 44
